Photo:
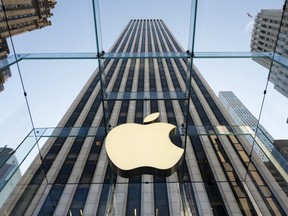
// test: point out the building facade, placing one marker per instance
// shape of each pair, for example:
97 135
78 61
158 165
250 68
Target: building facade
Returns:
21 16
269 36
218 175
242 116
263 143
17 17
282 147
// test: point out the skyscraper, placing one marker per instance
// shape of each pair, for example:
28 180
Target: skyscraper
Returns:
269 36
242 116
218 175
282 147
22 16
264 143
17 17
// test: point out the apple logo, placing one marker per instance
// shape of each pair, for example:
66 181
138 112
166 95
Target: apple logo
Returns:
135 149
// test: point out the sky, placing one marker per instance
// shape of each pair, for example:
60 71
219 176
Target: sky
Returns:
52 85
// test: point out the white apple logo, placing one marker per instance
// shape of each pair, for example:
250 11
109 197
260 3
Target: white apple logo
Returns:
135 149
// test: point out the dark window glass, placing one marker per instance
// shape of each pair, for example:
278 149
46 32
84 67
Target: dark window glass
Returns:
105 192
161 203
134 196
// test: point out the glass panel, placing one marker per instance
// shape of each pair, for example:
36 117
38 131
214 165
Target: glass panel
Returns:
59 82
273 24
227 26
233 54
28 56
146 55
111 28
97 25
146 96
193 23
91 55
14 163
225 158
71 31
6 62
15 119
192 130
275 118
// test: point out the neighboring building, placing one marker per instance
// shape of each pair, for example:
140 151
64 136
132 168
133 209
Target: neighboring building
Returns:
282 147
9 174
263 143
75 178
4 75
4 49
265 37
17 17
22 16
242 116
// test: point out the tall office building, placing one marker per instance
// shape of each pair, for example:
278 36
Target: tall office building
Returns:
242 116
269 36
17 17
264 142
73 175
282 147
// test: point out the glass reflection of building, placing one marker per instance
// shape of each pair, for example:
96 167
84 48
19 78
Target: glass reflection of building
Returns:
218 176
9 174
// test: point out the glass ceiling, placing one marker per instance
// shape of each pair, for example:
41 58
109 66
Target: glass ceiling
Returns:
51 65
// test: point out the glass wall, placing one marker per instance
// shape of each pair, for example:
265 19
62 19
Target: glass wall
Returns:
50 66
